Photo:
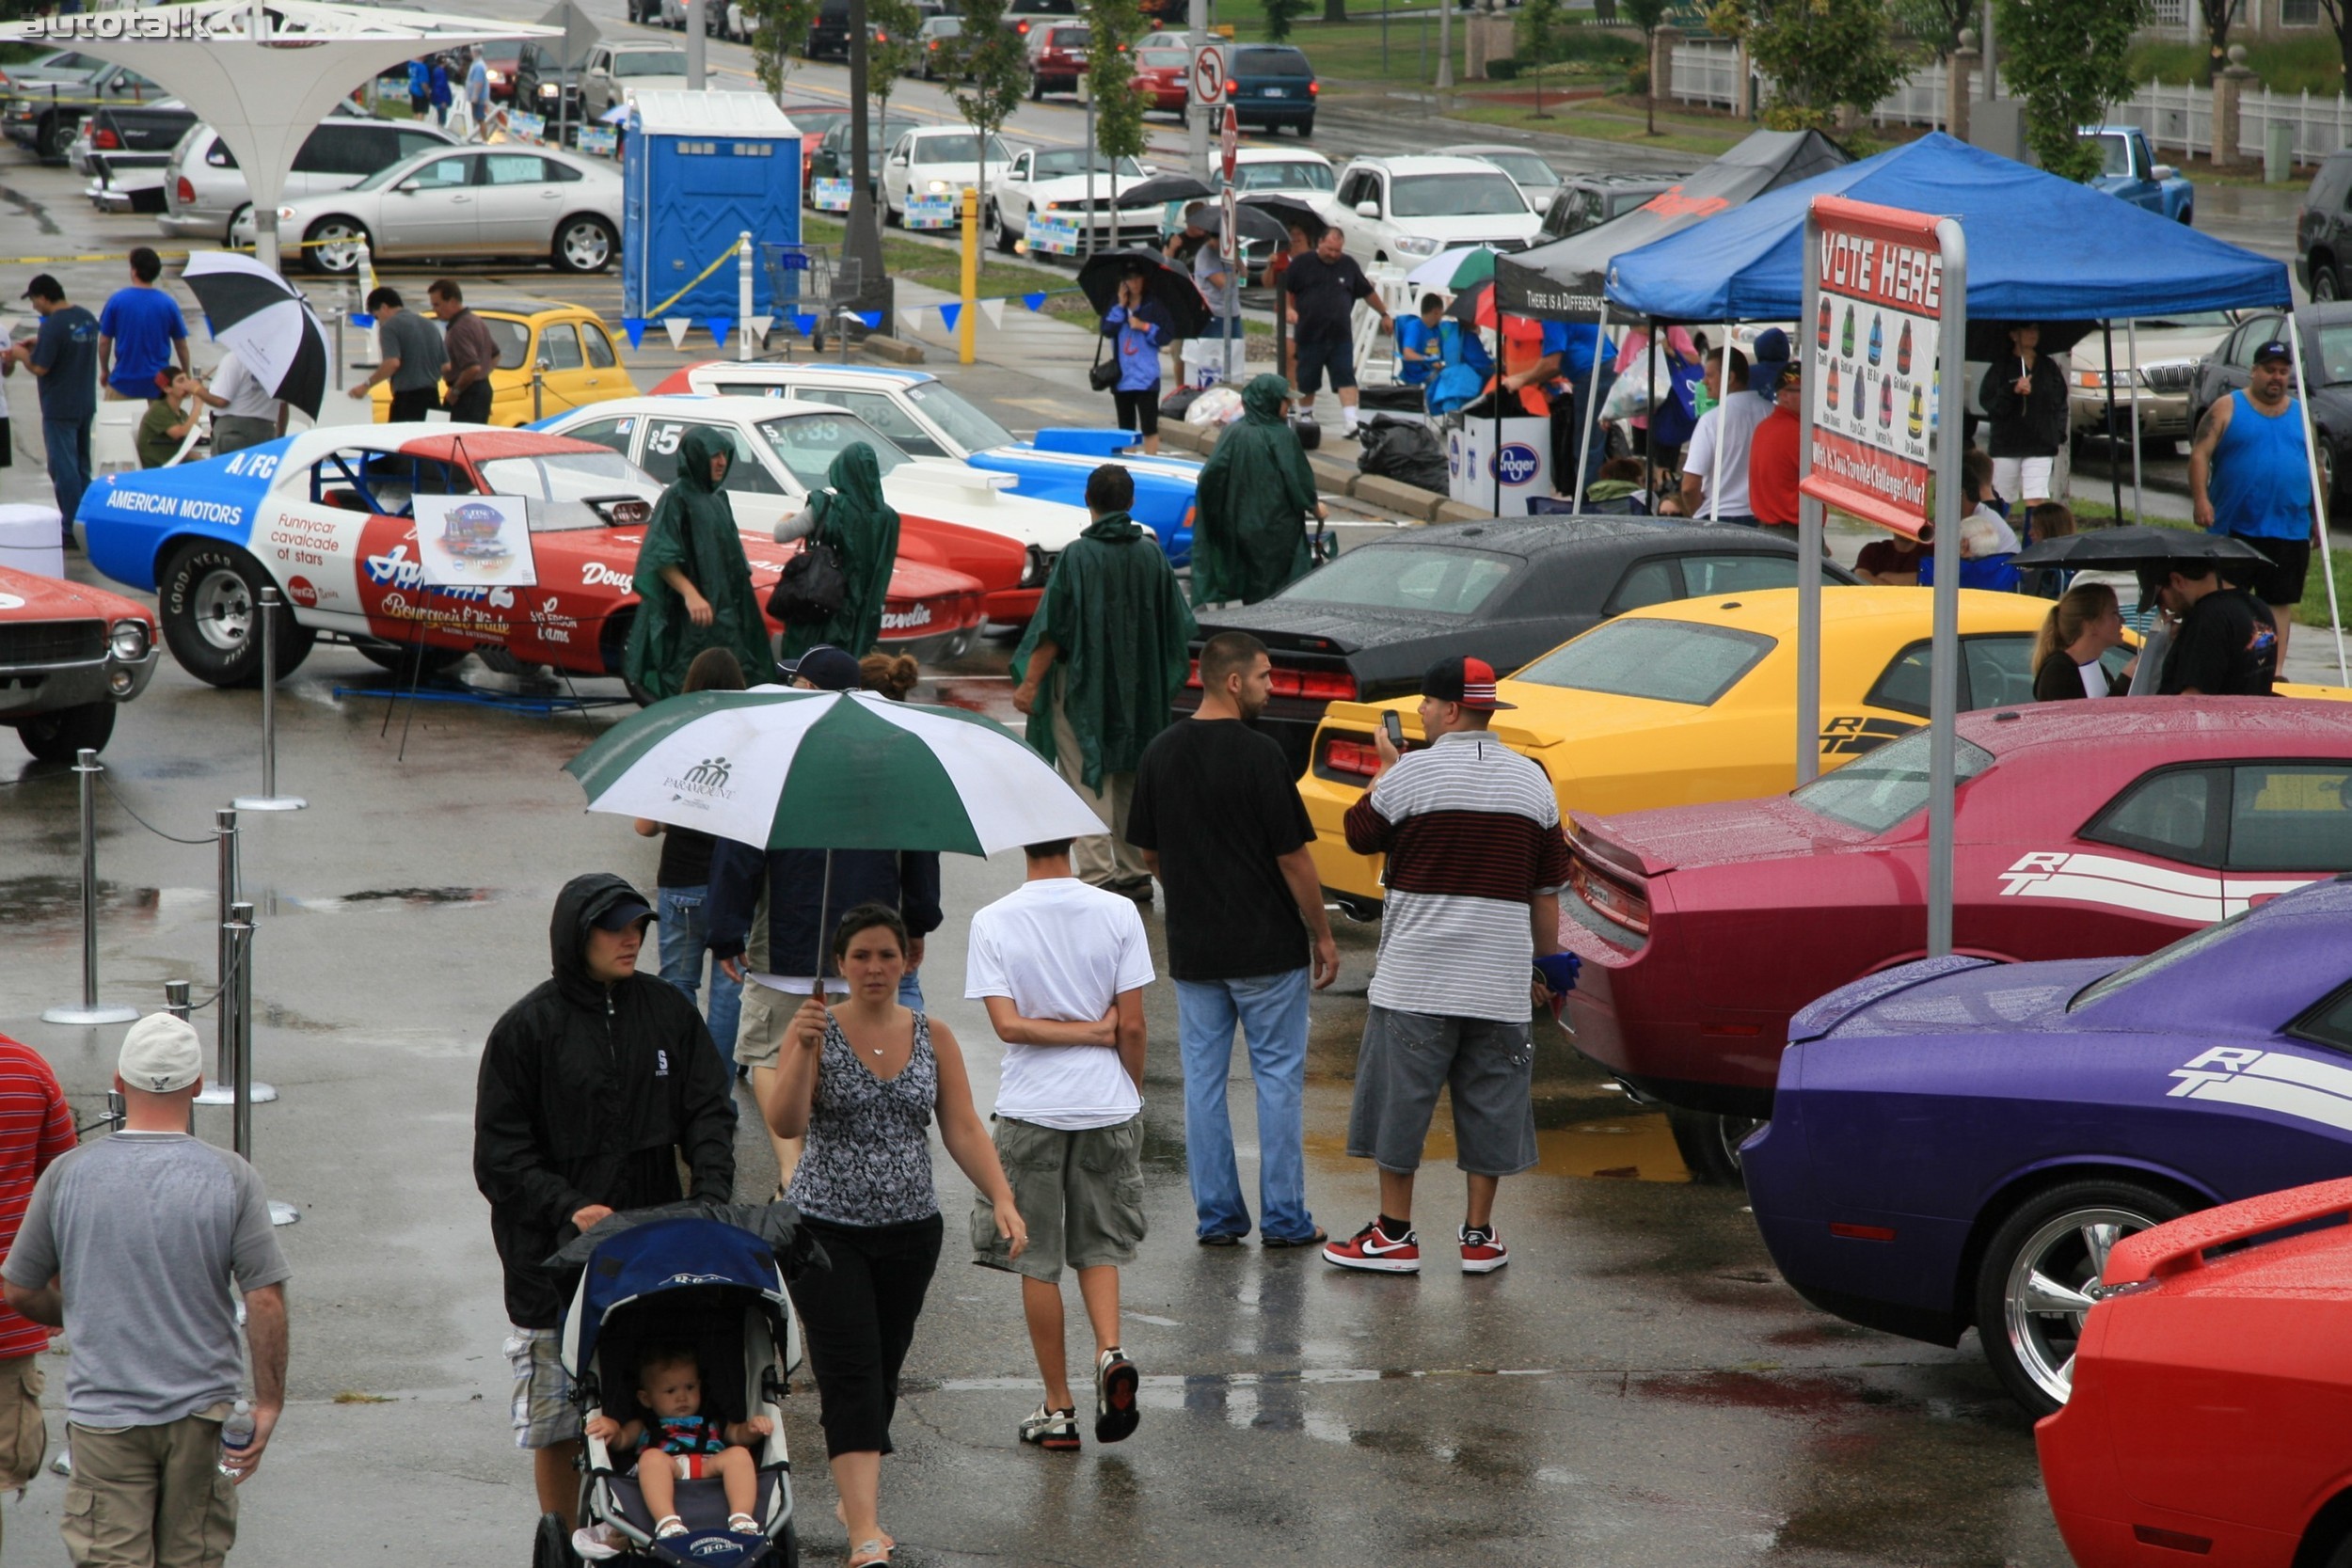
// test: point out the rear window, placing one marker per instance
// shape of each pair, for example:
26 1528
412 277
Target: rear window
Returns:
1664 661
1419 579
1455 196
1877 791
1271 62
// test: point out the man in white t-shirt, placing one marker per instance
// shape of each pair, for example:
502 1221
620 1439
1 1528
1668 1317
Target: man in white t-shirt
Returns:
1061 967
244 413
1730 425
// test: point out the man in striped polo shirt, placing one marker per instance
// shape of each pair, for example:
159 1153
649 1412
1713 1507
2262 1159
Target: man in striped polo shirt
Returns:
1476 862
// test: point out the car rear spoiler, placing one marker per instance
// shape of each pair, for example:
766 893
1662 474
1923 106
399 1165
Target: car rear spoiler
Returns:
1826 1013
2168 1251
1367 717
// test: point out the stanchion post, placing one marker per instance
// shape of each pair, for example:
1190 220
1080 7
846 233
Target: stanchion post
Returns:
269 799
743 295
90 1011
241 1125
222 1090
176 1003
342 315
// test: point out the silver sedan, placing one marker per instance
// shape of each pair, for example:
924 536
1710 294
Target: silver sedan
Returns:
512 199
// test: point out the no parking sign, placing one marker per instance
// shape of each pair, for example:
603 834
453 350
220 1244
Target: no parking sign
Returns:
1208 76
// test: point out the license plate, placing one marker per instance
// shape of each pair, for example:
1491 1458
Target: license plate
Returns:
1077 56
1274 92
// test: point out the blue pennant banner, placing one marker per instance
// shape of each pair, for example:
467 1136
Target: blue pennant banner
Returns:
720 327
635 327
949 315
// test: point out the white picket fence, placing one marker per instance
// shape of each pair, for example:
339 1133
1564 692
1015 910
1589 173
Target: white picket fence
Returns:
2177 119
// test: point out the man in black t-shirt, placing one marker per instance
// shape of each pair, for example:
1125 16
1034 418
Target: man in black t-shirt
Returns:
2227 644
1324 286
1220 823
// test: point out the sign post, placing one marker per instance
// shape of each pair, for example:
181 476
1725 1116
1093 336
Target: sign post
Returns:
1885 327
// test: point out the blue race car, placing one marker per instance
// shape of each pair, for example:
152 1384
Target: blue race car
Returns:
929 419
1958 1143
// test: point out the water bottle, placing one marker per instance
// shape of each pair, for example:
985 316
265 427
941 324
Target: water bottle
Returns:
236 1432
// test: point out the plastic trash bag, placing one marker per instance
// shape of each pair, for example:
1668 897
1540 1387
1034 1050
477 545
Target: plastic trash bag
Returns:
1406 450
1216 406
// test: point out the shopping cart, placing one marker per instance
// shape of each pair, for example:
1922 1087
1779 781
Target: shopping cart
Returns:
814 280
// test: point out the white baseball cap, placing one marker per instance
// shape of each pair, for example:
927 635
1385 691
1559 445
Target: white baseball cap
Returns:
160 1054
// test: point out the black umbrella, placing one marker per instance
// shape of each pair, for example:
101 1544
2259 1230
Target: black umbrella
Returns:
265 322
1988 341
1291 213
1164 282
2133 547
1163 188
1257 224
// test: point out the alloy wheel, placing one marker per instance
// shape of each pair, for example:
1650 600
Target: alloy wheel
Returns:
2053 1283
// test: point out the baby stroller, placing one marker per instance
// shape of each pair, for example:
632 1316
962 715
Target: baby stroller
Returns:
683 1280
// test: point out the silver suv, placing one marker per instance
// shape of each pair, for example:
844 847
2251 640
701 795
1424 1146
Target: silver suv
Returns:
204 191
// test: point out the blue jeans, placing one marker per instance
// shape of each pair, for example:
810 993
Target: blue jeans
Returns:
910 991
68 442
685 933
1271 1010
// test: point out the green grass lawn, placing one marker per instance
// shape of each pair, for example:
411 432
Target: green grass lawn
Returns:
2310 64
941 266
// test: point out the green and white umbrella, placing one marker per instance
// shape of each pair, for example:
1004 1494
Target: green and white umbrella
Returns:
831 770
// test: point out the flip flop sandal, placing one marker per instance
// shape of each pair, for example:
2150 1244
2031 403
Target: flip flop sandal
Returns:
870 1554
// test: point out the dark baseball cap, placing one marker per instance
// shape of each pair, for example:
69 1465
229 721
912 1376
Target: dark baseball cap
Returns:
44 285
826 668
1467 681
2274 349
627 910
1768 362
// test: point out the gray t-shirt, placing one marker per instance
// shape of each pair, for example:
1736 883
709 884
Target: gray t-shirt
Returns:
145 1231
1224 302
415 340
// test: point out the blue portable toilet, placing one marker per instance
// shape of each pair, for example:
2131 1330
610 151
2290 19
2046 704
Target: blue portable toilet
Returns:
697 170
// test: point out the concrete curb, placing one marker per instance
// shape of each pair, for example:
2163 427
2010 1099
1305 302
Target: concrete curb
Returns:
1405 500
899 351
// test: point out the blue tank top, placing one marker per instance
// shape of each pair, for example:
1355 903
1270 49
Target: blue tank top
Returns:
2261 478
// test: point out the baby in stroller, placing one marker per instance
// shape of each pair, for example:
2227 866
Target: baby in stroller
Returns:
674 1443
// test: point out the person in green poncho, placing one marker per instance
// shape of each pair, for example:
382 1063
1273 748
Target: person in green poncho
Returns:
693 584
1249 536
1099 669
851 516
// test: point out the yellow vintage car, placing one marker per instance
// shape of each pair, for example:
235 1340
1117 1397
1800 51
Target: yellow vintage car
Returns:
578 361
1693 700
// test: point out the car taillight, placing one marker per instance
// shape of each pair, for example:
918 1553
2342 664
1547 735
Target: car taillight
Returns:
1610 898
1325 686
185 190
104 141
1314 88
1347 754
1192 677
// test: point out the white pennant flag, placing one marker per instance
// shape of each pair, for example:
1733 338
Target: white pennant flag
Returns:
759 325
994 310
678 328
912 315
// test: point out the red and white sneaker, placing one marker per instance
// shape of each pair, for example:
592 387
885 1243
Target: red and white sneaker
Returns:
1483 1251
1374 1249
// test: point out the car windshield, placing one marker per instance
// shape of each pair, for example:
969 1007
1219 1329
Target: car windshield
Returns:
558 483
1288 176
958 148
648 62
2162 958
1421 579
807 443
1664 661
1455 196
1073 161
965 425
375 182
1623 202
1885 786
1525 167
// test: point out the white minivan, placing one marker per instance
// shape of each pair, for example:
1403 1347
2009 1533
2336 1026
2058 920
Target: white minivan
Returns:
204 191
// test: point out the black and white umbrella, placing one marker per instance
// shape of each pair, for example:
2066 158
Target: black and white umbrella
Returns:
265 322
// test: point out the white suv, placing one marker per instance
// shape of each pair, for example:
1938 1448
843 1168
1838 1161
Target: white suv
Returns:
1406 210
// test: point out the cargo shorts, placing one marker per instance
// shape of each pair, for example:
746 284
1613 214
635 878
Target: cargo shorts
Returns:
1080 1194
542 1410
148 1494
1407 1058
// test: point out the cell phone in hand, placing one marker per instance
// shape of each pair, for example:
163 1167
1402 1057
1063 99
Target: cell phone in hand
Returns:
1395 727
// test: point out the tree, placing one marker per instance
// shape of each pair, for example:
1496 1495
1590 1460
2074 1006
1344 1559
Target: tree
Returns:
2218 18
2065 59
1280 14
995 66
893 51
2340 22
1335 10
1934 23
778 28
1536 40
1648 15
1114 27
1818 54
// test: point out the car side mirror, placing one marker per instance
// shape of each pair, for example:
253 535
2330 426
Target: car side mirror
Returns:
2161 172
543 363
1367 209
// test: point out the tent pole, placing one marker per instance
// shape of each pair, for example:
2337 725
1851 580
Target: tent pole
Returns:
1494 445
2114 472
1592 406
1944 658
1808 537
1649 436
2319 497
1715 480
2131 344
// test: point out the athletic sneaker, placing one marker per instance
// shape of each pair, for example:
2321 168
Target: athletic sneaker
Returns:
1056 1430
1483 1251
1115 1383
1374 1249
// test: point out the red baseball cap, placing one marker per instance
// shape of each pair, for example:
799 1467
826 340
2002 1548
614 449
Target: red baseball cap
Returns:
1467 681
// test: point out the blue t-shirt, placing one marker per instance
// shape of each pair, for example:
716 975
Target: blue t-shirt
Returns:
144 323
1574 345
67 352
1418 335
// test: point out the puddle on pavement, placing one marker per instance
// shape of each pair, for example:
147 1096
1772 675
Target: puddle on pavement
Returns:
1798 1394
414 897
58 900
1639 1146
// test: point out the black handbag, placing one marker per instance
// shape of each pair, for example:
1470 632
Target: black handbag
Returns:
1101 376
813 588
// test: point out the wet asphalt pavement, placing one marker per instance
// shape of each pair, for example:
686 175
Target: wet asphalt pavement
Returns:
1638 1388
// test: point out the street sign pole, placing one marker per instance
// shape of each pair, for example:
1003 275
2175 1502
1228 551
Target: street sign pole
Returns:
1196 119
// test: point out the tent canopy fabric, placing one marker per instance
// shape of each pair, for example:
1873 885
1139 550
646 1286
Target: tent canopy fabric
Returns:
1562 280
2040 247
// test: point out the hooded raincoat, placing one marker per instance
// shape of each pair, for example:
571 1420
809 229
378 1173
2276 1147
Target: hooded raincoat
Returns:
1249 536
590 1094
693 529
1123 636
852 517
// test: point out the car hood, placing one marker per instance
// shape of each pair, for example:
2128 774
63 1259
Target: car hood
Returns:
1686 838
954 493
28 596
1957 994
1348 628
1073 187
2155 348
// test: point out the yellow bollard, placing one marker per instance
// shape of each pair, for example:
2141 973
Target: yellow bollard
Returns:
965 325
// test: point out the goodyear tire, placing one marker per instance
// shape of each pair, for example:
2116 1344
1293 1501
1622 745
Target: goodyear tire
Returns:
55 736
209 598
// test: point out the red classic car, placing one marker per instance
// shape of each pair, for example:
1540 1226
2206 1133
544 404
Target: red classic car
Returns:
69 655
2084 829
2210 1418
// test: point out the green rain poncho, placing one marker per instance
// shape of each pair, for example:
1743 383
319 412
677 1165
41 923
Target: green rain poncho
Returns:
1249 536
1113 610
693 529
852 517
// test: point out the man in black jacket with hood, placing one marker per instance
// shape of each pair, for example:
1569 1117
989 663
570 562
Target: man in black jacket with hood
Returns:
593 1087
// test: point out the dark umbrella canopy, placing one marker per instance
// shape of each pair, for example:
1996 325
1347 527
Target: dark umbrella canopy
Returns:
1291 213
1255 224
2124 549
1163 188
1164 282
1988 341
265 322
